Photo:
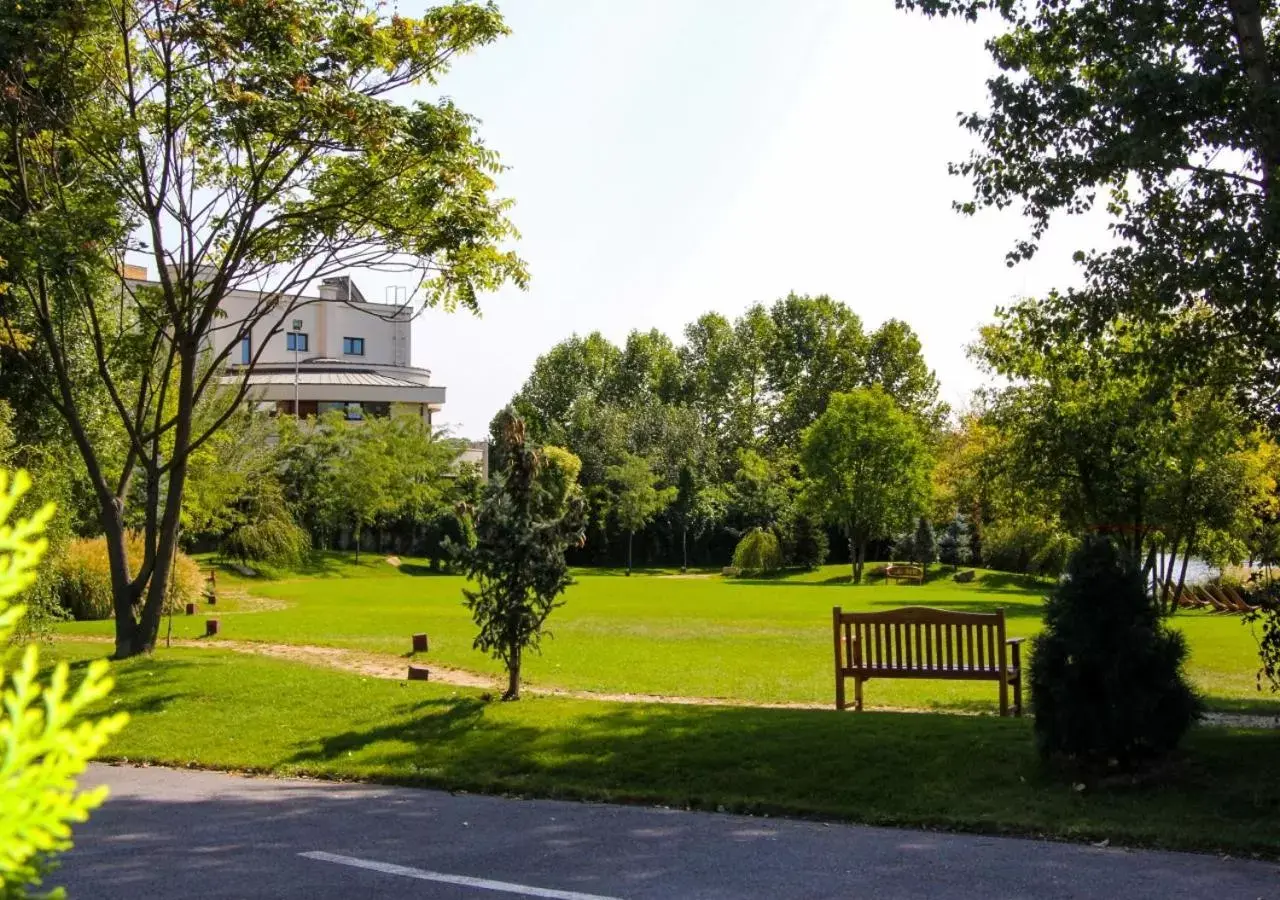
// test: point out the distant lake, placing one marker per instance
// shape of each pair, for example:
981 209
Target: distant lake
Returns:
1198 571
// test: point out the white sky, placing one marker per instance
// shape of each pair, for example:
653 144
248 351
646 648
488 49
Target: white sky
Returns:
670 157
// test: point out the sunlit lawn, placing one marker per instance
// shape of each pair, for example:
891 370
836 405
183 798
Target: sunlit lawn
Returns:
653 633
242 712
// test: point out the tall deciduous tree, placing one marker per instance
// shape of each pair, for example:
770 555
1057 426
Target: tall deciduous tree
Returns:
1167 112
531 513
233 145
868 468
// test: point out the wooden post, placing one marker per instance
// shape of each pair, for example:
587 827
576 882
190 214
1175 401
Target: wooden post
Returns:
1003 663
210 627
419 643
835 629
191 609
419 673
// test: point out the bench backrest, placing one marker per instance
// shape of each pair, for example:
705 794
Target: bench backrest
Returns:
917 638
903 570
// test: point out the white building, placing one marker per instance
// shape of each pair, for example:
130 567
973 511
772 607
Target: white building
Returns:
338 351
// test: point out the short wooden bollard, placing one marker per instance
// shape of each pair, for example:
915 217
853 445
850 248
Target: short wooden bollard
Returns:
419 643
210 627
419 673
191 609
212 598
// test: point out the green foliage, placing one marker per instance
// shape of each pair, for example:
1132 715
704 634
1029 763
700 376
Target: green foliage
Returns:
1107 677
757 553
1029 546
389 473
868 468
953 545
523 527
924 548
46 739
443 531
724 410
81 578
637 497
293 129
1165 116
804 540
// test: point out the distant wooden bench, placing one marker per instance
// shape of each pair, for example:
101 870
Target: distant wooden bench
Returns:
904 573
918 642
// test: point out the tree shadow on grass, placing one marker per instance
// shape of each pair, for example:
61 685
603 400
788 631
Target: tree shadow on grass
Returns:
972 772
1011 581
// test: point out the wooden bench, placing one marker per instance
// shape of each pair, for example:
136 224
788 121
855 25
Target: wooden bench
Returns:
904 573
918 642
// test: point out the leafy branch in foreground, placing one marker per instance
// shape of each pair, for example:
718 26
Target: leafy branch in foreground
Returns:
46 741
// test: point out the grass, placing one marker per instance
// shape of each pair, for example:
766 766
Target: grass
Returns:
762 640
229 711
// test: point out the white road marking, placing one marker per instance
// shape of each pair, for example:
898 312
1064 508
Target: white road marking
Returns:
483 884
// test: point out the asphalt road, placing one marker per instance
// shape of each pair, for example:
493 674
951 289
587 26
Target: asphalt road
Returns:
166 833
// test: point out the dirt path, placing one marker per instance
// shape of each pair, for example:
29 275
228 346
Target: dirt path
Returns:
381 665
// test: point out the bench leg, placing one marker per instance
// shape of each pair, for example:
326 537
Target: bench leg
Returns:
1017 696
1004 696
840 704
857 693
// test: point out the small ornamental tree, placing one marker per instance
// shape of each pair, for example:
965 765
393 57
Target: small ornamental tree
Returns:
46 741
529 515
1106 674
758 552
637 497
924 547
954 545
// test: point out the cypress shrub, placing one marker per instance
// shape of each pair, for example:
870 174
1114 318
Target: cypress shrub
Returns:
1107 678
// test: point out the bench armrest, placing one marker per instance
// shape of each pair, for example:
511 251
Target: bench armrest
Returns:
1015 640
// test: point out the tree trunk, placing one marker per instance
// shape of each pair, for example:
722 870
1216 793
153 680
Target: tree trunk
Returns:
122 593
357 534
1251 39
684 549
513 674
859 559
630 534
853 560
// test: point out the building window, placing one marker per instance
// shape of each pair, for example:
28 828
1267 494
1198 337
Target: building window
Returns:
297 340
246 350
352 410
353 346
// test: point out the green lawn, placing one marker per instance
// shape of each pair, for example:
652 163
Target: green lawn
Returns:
230 711
701 636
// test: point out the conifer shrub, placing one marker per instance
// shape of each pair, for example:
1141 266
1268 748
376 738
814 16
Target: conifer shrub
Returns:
1107 679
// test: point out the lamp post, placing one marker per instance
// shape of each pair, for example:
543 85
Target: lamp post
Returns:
297 329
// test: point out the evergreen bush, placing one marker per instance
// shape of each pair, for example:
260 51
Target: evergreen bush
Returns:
1107 677
954 547
804 542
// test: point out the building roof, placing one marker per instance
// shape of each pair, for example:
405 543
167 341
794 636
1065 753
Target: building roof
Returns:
365 378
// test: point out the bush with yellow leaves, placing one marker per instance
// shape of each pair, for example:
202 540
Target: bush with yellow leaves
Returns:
45 740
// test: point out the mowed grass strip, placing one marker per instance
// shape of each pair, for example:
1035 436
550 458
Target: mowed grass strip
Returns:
764 641
227 711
